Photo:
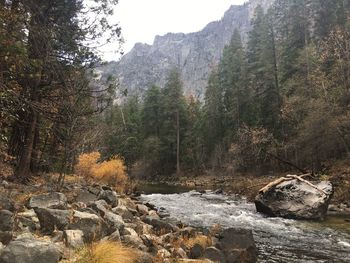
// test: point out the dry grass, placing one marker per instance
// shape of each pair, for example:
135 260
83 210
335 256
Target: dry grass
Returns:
105 252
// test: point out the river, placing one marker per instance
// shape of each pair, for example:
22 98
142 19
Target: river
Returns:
277 239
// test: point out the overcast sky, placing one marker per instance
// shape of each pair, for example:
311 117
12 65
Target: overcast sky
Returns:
142 20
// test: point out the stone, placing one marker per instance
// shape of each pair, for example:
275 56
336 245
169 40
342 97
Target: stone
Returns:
49 200
196 251
28 220
6 220
85 196
142 209
124 212
109 196
115 236
93 227
116 222
214 254
237 245
129 231
30 250
160 225
127 202
73 238
296 200
99 206
6 203
134 241
51 219
5 237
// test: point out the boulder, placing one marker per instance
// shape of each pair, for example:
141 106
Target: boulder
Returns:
196 251
85 196
237 245
93 227
51 219
295 199
100 206
28 220
109 196
160 225
73 238
30 250
142 209
114 221
115 236
6 220
214 254
124 212
6 203
49 200
5 237
134 241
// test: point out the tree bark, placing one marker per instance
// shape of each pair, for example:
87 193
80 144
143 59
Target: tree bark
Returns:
25 159
177 143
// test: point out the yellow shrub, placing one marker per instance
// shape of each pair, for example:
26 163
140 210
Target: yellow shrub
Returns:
86 163
112 172
202 240
106 252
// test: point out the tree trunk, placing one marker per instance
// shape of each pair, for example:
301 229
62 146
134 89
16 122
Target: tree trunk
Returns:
178 143
23 169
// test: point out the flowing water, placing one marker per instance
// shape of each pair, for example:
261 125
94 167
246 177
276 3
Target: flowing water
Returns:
277 239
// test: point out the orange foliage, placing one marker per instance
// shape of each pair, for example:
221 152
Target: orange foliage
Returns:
112 172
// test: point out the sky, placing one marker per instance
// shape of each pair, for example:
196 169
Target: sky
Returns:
142 20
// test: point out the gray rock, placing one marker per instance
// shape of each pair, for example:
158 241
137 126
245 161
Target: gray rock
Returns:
134 241
160 225
295 199
116 222
85 196
115 236
124 212
100 206
238 245
6 203
48 200
29 250
73 238
109 196
51 219
6 220
196 251
142 209
5 237
214 254
28 220
93 227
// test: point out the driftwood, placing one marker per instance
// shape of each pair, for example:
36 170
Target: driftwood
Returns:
289 177
305 181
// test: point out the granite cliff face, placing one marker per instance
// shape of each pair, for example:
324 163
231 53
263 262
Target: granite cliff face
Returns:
195 54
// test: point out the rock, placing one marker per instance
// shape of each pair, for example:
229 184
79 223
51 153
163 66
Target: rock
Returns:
48 200
28 220
73 238
214 254
127 202
187 232
180 252
7 204
5 237
295 199
100 206
196 251
109 196
238 245
160 225
1 247
144 258
30 250
6 220
142 209
134 241
116 222
163 253
51 219
129 231
86 196
93 227
115 236
124 212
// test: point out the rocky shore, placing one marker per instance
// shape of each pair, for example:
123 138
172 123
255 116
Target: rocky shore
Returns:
41 225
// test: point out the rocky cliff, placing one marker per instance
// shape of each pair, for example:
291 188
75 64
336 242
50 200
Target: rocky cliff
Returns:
195 54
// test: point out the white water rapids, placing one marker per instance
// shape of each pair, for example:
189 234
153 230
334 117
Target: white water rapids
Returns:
277 239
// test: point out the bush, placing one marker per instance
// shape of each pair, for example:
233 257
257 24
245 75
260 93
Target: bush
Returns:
112 172
106 252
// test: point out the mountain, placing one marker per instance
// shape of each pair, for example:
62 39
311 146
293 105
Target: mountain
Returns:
195 54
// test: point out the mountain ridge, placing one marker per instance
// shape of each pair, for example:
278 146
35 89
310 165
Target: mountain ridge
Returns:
194 54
